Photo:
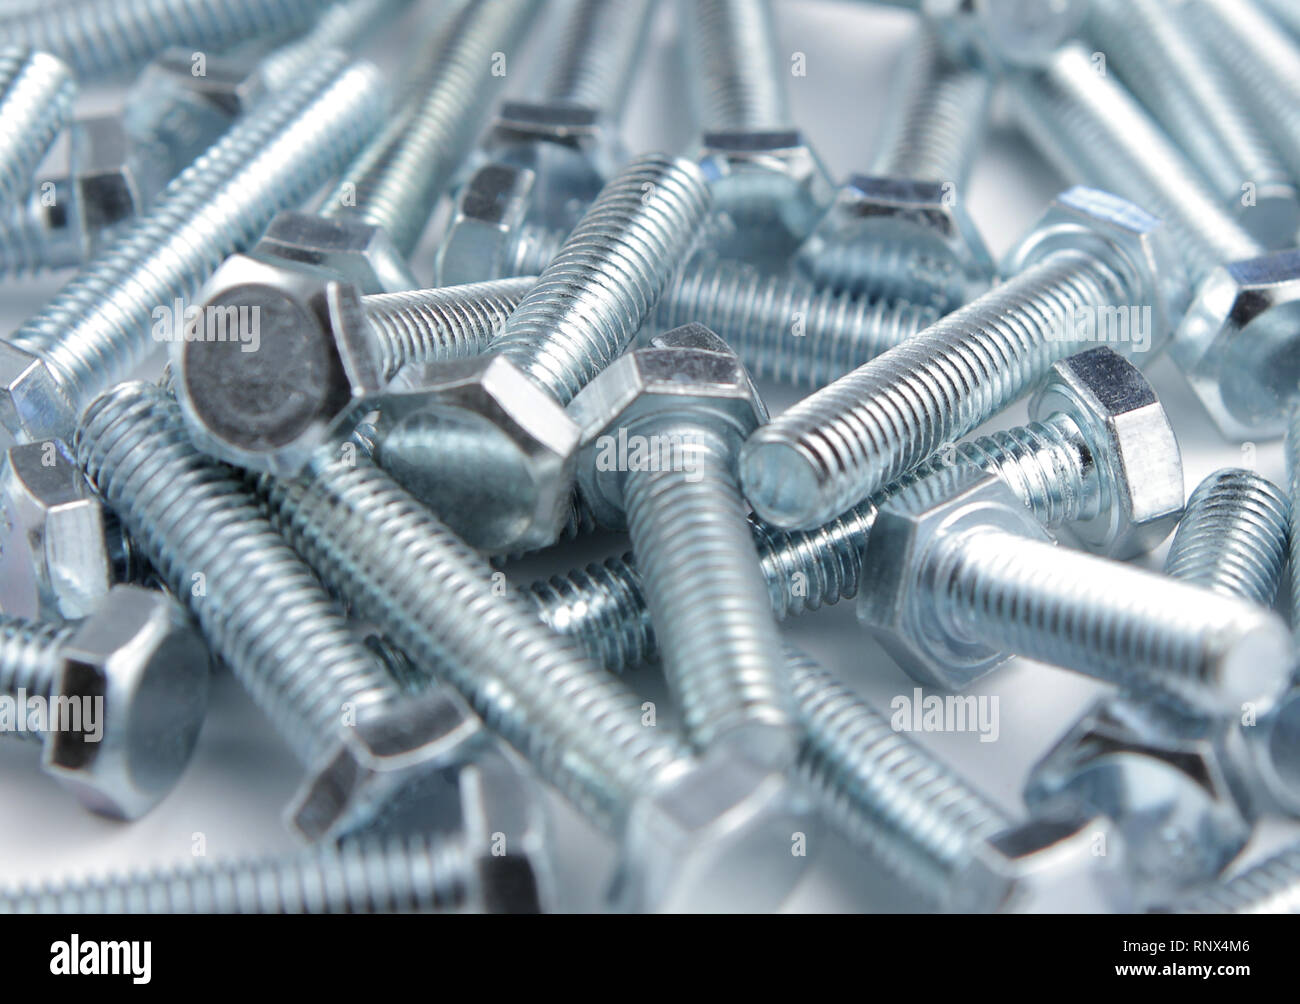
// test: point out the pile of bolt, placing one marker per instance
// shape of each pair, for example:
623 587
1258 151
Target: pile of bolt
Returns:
326 492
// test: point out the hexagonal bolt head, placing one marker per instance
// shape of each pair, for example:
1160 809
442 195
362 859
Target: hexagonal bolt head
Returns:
772 188
380 758
484 447
896 602
146 669
1172 784
1001 32
914 241
33 405
571 149
110 180
724 837
356 252
686 375
489 212
1239 344
1138 464
182 108
1135 244
1058 862
56 561
299 364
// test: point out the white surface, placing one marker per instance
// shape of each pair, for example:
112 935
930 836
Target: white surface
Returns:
242 776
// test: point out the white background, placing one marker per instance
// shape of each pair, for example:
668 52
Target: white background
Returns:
242 775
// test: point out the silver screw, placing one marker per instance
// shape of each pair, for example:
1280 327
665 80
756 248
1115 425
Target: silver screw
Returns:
1271 886
1181 83
100 37
261 610
864 430
95 331
598 53
1001 34
133 677
688 394
36 92
737 75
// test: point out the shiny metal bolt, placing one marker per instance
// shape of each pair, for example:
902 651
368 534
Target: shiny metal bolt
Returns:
36 92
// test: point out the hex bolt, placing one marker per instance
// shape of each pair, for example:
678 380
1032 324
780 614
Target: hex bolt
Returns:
901 230
1270 886
688 398
124 691
1070 468
463 871
1233 537
36 92
96 330
100 37
785 328
922 822
865 429
1179 80
962 575
682 822
737 75
1001 35
598 53
267 616
1096 132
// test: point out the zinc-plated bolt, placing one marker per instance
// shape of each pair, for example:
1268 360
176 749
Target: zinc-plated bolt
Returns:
865 429
1069 467
924 823
998 32
1271 886
902 229
1292 448
129 687
263 612
36 92
1095 131
962 576
738 77
96 330
602 42
689 395
683 822
1179 80
101 37
1233 537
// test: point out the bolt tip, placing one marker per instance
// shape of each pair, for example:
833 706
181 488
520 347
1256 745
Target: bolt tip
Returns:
782 484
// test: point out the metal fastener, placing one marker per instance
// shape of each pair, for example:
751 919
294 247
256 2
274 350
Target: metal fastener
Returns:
36 92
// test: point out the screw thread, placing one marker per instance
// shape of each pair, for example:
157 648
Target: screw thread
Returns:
530 249
1233 537
34 240
1187 89
434 325
437 600
883 791
937 116
1272 886
704 586
1094 129
344 24
395 181
100 37
886 269
30 657
591 300
258 604
417 873
737 77
598 54
36 92
1292 449
785 329
603 608
95 331
1117 623
862 431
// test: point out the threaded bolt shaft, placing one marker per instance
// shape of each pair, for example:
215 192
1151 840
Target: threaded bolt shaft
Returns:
395 181
851 437
94 332
436 599
598 54
1272 886
785 328
1183 85
1092 128
30 658
737 76
433 325
100 37
1233 536
35 239
419 873
530 249
259 606
1292 448
590 301
36 92
344 24
1284 12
